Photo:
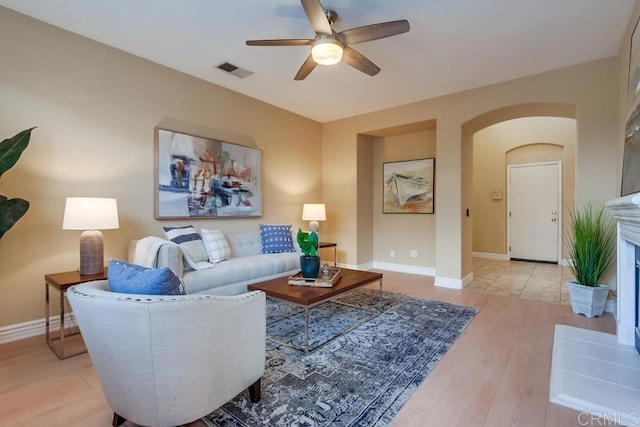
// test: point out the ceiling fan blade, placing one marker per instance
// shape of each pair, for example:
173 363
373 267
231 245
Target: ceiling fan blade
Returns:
359 61
280 42
374 31
317 18
306 68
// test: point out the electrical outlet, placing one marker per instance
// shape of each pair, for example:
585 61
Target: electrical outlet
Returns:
413 253
392 253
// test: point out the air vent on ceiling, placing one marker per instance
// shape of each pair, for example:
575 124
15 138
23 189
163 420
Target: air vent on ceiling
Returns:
235 70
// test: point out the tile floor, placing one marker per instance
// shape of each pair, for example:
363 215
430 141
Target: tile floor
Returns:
529 280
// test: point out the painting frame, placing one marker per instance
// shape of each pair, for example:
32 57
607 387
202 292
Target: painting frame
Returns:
630 182
408 186
197 177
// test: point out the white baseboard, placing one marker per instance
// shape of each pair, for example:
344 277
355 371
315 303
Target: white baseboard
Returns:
447 282
467 279
364 267
405 268
488 255
29 329
444 282
611 306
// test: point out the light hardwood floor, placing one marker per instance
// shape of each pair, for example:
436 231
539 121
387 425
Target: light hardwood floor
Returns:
496 374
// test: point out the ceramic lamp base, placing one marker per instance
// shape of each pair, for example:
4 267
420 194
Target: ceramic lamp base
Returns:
314 226
91 253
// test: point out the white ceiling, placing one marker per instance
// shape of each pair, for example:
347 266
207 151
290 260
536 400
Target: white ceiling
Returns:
453 45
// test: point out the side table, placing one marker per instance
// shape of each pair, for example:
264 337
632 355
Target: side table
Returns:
61 282
335 250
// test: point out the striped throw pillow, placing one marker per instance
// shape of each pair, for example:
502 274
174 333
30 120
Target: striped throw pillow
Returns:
190 242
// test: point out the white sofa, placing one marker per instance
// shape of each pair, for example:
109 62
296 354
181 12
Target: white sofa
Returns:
229 277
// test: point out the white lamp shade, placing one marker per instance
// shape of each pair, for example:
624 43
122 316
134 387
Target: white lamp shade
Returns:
314 212
90 213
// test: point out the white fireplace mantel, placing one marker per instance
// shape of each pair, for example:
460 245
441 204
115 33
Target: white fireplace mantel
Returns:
598 373
626 211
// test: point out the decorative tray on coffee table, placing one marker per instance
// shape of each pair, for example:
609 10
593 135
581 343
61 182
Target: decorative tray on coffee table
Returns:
324 280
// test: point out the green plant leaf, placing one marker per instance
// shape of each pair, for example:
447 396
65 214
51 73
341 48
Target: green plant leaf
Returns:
308 242
12 148
11 210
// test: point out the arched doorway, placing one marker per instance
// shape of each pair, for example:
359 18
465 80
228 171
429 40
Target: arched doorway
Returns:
522 141
516 134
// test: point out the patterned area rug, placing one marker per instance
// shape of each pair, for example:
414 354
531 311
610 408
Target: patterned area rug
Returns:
361 378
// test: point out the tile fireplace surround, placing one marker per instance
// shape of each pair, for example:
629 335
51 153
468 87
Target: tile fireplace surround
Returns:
597 373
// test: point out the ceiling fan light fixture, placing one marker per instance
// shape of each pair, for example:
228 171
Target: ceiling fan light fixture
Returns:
329 47
326 52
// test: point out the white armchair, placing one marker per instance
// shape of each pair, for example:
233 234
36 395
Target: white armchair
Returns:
170 360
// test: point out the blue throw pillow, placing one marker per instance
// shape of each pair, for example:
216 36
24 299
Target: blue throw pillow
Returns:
276 239
135 279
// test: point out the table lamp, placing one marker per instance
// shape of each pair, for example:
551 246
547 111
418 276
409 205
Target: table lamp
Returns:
90 214
314 212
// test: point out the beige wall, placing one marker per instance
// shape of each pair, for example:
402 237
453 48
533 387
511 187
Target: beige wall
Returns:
364 212
517 141
467 203
588 91
402 232
96 109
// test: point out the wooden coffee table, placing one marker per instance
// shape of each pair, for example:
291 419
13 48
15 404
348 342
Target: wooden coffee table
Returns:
308 296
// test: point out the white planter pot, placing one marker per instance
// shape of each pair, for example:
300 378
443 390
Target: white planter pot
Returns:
588 300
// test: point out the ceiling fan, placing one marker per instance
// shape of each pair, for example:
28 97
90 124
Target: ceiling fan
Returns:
329 47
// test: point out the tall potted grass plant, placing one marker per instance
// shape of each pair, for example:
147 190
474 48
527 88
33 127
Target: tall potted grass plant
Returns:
590 243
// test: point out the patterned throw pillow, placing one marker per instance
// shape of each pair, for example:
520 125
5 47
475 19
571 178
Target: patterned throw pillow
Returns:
135 279
190 243
276 239
216 245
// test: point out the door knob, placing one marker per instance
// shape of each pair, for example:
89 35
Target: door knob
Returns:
553 219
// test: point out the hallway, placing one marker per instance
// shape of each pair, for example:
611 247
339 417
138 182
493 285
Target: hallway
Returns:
528 280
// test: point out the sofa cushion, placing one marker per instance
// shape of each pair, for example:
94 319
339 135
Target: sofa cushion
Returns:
244 243
241 270
135 279
276 239
216 245
190 243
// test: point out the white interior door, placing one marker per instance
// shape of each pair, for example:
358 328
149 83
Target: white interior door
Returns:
534 203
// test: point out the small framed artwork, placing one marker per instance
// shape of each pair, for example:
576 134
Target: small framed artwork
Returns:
408 186
198 177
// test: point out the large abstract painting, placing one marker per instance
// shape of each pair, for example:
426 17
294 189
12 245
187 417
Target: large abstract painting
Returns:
203 178
408 186
631 158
